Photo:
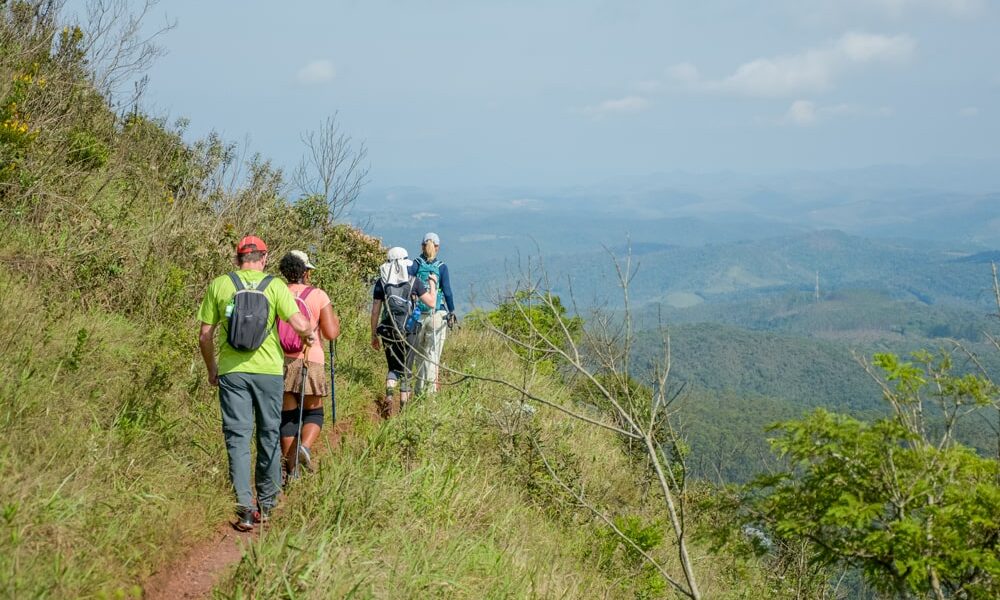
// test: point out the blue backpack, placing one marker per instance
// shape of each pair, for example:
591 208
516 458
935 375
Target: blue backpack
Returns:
424 270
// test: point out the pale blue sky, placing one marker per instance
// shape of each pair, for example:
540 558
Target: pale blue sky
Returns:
570 92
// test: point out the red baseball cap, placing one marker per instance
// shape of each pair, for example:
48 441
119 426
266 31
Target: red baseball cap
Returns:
251 243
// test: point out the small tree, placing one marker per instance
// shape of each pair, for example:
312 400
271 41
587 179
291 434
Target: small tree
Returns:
333 169
898 497
536 318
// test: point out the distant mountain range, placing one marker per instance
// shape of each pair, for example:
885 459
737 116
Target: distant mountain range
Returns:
716 234
769 285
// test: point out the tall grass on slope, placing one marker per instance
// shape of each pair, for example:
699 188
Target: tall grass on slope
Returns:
106 460
451 500
111 456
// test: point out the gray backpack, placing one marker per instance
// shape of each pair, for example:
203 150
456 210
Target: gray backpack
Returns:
397 311
249 316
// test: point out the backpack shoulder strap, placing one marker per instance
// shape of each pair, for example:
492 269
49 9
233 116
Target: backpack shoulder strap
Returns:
305 293
237 281
264 283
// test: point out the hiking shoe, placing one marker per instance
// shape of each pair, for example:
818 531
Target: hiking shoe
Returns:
245 519
305 457
263 515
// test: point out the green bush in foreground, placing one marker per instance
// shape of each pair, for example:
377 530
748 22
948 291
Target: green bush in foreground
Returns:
916 512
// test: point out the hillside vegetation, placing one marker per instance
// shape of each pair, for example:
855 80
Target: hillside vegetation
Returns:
111 457
453 499
112 461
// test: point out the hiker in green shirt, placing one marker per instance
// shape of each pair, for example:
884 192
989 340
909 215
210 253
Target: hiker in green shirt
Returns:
249 372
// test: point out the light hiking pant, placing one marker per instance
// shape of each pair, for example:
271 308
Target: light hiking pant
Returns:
249 399
430 344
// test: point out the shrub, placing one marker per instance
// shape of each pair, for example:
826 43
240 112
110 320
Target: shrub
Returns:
86 150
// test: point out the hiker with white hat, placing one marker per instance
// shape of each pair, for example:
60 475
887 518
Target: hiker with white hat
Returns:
394 326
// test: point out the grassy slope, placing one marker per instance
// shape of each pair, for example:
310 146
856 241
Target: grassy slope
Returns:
111 456
108 463
448 500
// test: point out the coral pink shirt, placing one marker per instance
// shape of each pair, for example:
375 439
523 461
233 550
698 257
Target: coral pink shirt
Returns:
315 302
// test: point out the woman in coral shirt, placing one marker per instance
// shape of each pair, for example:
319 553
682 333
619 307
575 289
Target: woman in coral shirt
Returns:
295 268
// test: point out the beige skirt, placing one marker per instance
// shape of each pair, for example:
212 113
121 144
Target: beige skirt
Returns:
315 378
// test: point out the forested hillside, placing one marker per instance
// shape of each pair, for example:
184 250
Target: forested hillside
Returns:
738 381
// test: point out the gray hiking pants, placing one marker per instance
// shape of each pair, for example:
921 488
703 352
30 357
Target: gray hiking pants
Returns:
248 399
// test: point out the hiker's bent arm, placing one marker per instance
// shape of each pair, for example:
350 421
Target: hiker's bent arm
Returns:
302 326
206 342
432 289
449 300
329 323
376 311
429 297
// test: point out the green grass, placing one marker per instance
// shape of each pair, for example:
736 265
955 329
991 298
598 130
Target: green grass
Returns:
450 500
110 463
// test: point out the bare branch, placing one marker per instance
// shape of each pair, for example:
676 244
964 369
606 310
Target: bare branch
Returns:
334 168
118 47
579 497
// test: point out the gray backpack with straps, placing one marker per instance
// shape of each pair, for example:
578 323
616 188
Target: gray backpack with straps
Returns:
396 311
251 311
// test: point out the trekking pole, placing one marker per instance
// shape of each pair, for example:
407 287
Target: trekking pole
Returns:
333 382
302 404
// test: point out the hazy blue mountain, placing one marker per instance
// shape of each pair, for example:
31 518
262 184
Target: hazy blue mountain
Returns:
686 229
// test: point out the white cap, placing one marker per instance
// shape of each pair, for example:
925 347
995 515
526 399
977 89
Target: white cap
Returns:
432 237
397 253
303 257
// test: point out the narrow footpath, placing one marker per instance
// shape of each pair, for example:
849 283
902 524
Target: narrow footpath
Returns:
195 575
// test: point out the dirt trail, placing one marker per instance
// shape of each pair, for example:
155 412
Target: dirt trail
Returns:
196 574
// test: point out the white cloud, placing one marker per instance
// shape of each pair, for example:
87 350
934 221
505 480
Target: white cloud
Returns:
628 104
806 112
969 111
801 112
810 71
316 72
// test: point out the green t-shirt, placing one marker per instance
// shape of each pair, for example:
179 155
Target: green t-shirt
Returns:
269 359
